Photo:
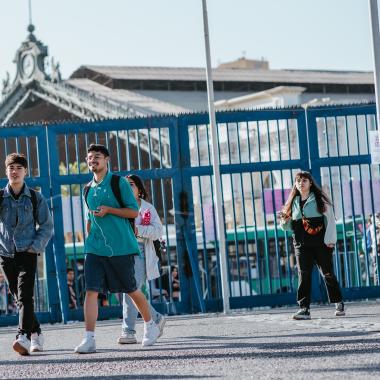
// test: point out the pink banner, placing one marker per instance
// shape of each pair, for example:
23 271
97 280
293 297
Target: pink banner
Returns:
208 219
357 196
274 199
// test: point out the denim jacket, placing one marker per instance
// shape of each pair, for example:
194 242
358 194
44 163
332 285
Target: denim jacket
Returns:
17 228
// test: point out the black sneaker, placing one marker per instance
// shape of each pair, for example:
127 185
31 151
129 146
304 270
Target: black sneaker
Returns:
339 309
303 313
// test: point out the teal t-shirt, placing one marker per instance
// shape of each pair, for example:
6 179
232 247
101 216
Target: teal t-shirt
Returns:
110 235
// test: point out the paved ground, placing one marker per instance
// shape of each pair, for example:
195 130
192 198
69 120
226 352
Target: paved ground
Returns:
264 344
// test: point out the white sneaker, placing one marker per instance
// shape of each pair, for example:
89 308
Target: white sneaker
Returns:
37 342
161 325
22 345
127 338
87 346
339 309
151 333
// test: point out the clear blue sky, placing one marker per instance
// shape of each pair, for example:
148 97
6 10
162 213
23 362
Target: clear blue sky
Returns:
304 34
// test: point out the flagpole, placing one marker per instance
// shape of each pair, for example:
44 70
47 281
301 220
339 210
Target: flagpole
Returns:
220 226
374 20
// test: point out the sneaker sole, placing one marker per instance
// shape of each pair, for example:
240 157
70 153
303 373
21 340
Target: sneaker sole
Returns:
340 314
147 344
301 318
20 349
87 352
36 350
131 341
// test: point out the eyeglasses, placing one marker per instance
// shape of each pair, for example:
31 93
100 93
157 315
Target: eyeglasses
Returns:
96 157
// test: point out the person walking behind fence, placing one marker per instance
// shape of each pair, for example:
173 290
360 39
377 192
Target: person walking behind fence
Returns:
148 228
71 288
25 229
110 247
308 213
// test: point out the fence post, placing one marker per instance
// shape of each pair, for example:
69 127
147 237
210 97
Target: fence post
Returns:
185 224
51 277
58 238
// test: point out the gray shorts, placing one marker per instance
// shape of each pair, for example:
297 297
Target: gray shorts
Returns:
114 274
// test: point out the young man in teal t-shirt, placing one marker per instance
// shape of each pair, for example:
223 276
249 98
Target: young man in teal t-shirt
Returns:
110 248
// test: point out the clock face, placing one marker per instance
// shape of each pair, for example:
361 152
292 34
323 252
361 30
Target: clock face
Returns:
27 65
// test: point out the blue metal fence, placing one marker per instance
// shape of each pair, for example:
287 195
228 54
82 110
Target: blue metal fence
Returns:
340 159
32 142
260 151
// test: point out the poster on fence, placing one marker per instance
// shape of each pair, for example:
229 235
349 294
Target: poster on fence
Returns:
359 196
374 147
73 214
208 219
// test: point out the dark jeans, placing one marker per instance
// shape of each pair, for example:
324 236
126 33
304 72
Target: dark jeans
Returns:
322 256
20 273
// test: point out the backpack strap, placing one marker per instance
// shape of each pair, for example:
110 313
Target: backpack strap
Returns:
34 200
1 196
115 186
85 192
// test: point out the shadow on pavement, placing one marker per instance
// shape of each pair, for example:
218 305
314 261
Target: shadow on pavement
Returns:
134 376
336 348
369 369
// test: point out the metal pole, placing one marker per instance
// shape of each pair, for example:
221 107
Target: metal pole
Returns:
374 20
30 12
216 170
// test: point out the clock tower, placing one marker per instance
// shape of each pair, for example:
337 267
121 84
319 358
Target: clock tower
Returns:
30 59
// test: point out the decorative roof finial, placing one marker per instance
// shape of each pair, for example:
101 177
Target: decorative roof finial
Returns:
31 27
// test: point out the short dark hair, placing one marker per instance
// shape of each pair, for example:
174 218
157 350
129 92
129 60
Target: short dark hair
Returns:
98 148
140 185
68 270
16 158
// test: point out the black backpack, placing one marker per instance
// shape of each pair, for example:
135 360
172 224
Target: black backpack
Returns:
115 186
160 248
34 200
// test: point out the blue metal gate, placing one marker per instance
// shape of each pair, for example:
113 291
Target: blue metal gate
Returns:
260 151
340 160
147 147
32 142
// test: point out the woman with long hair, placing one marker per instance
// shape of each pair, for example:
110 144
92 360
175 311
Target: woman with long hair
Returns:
148 228
309 214
175 283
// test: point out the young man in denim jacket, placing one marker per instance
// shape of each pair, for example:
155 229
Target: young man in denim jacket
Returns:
24 234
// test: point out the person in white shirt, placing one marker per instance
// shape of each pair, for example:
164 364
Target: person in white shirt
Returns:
148 228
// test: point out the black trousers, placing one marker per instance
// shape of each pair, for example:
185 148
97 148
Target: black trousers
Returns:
20 273
306 257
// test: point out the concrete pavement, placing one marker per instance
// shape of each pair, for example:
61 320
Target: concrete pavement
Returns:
264 344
